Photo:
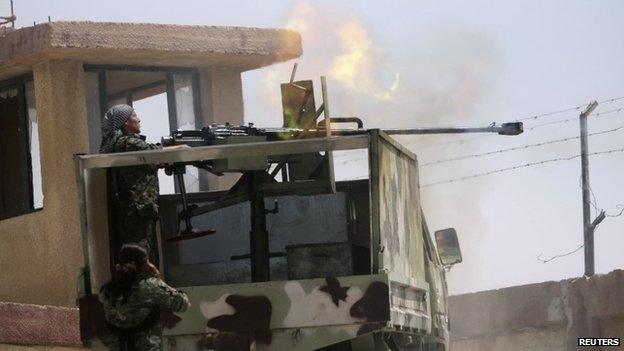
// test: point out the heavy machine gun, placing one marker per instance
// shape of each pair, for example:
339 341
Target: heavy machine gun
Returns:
300 174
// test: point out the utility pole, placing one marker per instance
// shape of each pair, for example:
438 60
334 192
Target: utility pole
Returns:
588 226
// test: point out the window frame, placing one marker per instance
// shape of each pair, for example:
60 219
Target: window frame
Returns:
26 205
170 91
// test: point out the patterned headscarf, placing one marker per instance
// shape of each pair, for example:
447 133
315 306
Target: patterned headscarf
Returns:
115 117
113 120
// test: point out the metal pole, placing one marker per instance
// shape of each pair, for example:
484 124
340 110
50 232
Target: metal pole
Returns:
259 236
84 227
328 133
588 228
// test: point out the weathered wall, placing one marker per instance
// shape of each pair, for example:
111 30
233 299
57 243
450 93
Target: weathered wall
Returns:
149 44
8 347
40 253
50 327
545 316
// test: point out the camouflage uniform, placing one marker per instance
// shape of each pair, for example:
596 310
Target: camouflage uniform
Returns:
135 209
143 302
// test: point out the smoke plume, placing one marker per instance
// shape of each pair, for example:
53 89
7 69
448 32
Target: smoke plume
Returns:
437 78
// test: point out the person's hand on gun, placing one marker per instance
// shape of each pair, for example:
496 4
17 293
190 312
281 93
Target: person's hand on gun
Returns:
152 270
166 166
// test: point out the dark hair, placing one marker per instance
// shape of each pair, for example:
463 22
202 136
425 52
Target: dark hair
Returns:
131 261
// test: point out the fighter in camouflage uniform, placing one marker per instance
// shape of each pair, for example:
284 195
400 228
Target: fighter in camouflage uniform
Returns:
133 300
135 207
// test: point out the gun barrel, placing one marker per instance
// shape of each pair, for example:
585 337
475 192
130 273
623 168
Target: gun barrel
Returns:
206 136
513 128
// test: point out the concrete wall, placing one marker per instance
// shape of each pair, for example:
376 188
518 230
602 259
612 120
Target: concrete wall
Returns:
8 347
40 253
545 316
32 327
148 44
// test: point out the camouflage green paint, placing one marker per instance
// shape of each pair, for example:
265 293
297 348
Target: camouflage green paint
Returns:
303 313
400 235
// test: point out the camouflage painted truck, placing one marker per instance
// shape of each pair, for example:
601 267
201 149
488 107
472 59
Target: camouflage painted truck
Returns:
294 260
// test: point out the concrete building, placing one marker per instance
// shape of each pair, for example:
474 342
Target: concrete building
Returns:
56 81
548 316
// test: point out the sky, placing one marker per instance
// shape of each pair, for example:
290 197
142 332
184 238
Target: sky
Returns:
453 63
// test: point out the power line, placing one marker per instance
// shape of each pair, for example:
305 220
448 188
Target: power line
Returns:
506 169
523 147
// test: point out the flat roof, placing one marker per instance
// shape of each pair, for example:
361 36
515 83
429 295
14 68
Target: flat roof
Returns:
148 45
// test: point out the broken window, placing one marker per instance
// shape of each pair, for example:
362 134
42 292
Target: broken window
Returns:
20 166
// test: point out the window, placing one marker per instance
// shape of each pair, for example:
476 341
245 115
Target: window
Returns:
166 99
20 166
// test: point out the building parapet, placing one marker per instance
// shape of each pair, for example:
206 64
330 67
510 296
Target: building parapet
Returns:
25 324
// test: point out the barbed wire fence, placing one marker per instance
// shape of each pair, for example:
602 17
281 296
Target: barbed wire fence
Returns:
577 108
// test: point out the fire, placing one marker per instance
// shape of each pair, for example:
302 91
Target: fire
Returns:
355 65
338 48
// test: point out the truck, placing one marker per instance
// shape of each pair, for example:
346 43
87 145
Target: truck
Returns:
289 258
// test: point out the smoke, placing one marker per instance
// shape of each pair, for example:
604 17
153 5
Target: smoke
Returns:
338 46
353 67
437 78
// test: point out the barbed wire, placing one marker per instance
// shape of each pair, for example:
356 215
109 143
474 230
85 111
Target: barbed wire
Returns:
539 257
594 204
506 169
598 114
522 147
570 109
574 108
619 214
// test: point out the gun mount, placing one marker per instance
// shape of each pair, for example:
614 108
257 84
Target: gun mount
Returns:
300 174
